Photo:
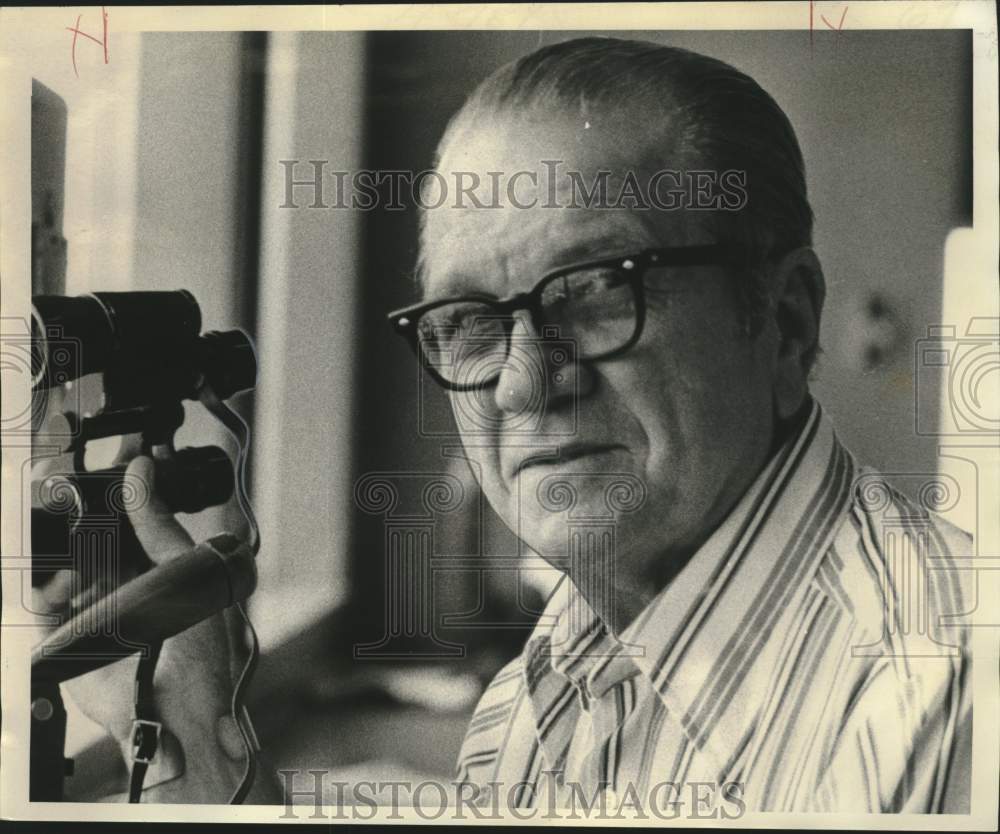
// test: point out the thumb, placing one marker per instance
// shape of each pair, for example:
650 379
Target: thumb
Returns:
159 533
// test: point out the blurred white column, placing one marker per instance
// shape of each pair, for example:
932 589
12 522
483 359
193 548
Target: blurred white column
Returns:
308 314
965 350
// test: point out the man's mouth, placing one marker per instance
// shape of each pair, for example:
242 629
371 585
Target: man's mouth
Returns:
565 454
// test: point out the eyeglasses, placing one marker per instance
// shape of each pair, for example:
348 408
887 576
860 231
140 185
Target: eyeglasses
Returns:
598 307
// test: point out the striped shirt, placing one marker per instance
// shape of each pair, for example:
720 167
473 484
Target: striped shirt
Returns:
798 662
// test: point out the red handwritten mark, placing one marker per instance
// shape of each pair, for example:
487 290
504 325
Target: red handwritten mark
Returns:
77 31
839 26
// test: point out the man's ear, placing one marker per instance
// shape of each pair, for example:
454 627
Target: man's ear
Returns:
798 291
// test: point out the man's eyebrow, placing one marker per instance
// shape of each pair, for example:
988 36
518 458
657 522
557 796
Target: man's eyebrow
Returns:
596 248
457 285
606 245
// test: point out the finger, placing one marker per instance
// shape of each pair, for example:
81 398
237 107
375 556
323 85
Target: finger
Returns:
55 594
53 465
227 731
159 533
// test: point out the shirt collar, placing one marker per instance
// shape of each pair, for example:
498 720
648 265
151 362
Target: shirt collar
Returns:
695 641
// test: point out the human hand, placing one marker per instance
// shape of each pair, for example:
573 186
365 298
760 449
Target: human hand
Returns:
201 747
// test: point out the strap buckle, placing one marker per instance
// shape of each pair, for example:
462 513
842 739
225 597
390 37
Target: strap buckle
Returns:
145 739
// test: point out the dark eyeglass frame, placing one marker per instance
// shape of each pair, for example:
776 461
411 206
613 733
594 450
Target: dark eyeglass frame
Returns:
405 320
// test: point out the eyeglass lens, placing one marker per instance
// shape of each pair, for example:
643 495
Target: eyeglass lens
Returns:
466 342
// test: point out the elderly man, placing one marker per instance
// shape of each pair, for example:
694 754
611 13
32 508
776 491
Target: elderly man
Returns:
733 633
733 646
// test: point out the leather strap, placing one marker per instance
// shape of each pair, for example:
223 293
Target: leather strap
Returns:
145 728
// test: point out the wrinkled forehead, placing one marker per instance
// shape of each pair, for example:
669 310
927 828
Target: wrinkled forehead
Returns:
517 197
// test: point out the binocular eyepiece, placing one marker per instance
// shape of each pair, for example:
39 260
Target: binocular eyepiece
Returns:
147 344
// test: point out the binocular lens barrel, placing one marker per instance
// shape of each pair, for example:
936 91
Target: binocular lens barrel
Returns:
81 335
146 344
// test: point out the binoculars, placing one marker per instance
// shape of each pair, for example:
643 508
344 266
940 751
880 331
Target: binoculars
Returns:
151 355
149 349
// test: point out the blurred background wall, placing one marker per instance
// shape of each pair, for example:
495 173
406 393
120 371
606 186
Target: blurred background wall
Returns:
174 178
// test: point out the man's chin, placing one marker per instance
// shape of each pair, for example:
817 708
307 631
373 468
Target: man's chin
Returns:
553 534
578 492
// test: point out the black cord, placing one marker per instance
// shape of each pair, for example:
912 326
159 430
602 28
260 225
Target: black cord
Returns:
240 714
240 431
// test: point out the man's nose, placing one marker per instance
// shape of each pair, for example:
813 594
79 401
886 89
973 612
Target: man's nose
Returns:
539 374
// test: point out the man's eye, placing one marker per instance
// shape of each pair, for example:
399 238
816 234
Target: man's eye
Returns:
587 284
584 287
459 321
